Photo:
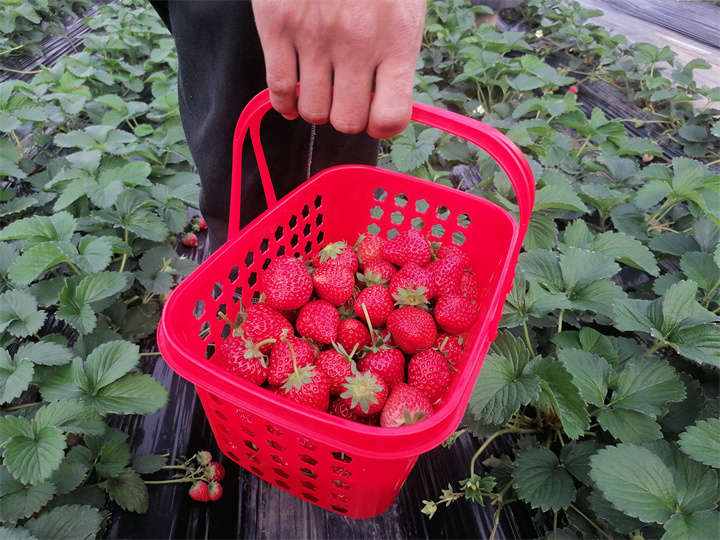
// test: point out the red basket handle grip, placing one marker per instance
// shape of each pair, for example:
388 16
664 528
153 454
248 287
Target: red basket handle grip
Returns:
501 149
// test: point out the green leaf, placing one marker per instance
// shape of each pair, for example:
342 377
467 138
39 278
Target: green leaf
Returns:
544 266
681 308
70 416
627 250
702 442
618 519
629 426
114 458
38 259
109 362
15 376
45 353
581 267
558 389
149 464
694 525
575 457
700 343
33 459
540 480
19 501
70 521
541 233
129 491
94 254
409 152
701 268
590 374
19 314
68 476
58 227
134 393
647 385
635 481
557 196
98 286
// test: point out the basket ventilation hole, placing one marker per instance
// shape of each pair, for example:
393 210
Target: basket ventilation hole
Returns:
373 229
277 459
217 290
238 294
318 201
251 445
308 459
266 263
464 220
254 458
320 237
305 211
226 331
340 471
339 509
199 309
392 233
318 220
281 472
264 245
210 349
401 199
281 251
307 229
279 233
340 497
233 275
397 218
308 248
417 223
252 280
305 443
274 430
276 445
342 456
443 212
249 431
257 471
255 297
221 416
310 497
437 231
380 194
226 430
341 485
231 455
421 206
293 222
204 330
376 212
217 399
295 240
309 485
458 238
282 484
309 473
249 259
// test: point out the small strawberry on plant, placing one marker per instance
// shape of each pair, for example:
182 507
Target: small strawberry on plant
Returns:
215 491
573 89
214 471
199 491
203 457
190 240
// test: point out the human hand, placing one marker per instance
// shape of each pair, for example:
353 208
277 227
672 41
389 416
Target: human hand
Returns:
340 48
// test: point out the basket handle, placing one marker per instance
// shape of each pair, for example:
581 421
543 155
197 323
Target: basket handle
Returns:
495 143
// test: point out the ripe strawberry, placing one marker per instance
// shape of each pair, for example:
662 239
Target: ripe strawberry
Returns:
413 275
339 408
446 251
412 329
281 358
243 358
286 283
377 271
455 313
446 275
368 247
214 471
202 224
379 304
429 371
199 491
452 347
336 253
352 333
308 386
573 89
407 246
263 322
214 491
387 362
337 364
334 283
190 240
365 393
469 286
318 320
406 405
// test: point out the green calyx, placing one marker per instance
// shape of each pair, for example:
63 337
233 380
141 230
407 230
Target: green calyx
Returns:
411 296
361 389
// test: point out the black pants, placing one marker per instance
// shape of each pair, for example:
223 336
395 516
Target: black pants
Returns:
221 67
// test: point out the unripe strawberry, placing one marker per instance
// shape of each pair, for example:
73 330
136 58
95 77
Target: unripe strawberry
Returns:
204 457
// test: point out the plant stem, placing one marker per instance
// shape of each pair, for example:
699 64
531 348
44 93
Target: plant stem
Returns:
527 337
560 320
590 521
657 345
492 438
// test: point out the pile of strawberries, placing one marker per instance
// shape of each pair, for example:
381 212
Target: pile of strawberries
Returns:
371 332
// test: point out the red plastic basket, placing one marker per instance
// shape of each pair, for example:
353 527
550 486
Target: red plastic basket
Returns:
343 466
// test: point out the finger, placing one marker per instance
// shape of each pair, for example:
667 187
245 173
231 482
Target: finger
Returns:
352 93
281 76
315 88
391 106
